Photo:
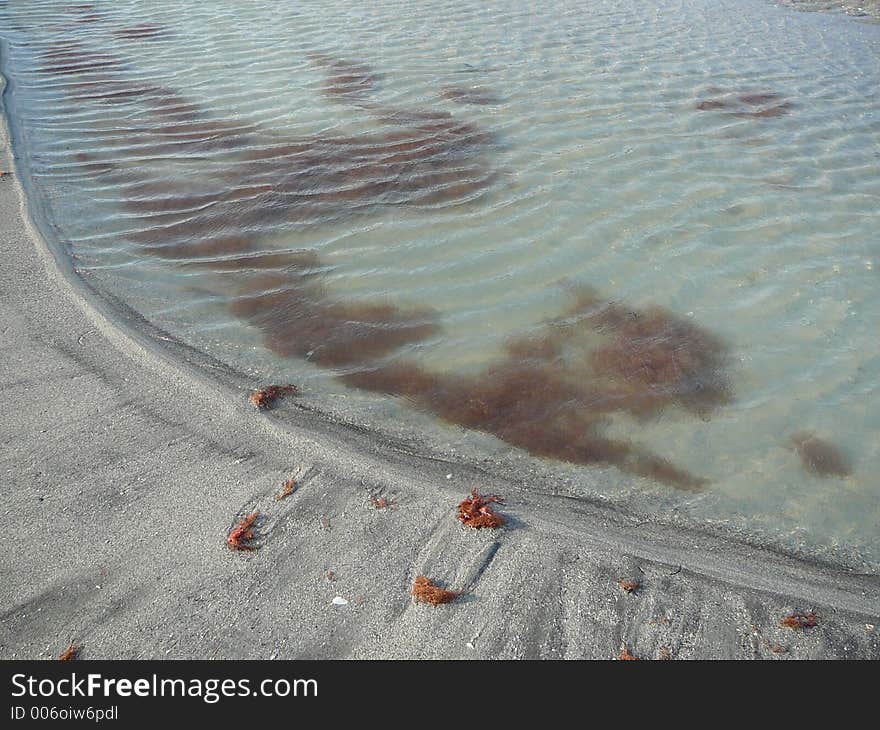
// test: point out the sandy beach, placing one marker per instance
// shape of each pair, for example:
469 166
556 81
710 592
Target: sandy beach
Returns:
126 463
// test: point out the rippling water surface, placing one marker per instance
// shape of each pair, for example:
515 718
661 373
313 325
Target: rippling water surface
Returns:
627 246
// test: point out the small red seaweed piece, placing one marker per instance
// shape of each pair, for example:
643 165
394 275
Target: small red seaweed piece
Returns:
625 656
242 534
629 586
288 488
424 590
265 398
800 620
476 511
380 502
70 653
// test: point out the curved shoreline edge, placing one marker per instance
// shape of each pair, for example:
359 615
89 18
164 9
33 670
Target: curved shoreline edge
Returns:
126 464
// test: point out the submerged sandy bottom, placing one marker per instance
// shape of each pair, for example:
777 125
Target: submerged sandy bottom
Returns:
622 250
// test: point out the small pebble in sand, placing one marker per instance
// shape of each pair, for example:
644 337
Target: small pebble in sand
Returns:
339 601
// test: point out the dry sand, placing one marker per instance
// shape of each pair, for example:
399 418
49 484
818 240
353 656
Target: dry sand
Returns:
125 465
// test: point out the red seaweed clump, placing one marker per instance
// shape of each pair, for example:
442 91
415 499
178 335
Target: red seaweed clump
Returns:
241 535
288 488
629 585
70 653
476 511
424 590
800 620
380 501
265 398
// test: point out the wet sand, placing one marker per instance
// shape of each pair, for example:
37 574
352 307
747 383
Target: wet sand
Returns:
125 465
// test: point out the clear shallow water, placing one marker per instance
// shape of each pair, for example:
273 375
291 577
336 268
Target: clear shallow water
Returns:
864 9
632 246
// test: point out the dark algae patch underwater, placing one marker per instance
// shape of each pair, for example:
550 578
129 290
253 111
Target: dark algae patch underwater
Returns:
550 394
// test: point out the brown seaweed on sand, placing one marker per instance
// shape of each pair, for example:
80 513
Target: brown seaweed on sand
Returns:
380 501
476 511
800 620
629 586
424 590
625 656
265 398
819 456
242 534
288 488
70 653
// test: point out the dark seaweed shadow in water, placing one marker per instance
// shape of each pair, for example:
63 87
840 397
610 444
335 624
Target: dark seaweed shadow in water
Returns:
553 391
143 31
345 79
819 456
476 95
757 105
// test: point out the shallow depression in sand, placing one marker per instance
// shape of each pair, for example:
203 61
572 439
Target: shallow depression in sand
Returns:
629 247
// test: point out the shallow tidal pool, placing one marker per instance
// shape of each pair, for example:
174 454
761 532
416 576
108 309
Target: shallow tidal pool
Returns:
631 247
